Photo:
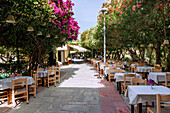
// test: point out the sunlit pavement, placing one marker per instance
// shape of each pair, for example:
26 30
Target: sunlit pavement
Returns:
79 92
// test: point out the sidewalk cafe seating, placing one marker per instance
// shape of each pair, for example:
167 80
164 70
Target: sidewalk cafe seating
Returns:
39 80
3 95
57 74
13 75
167 79
33 87
138 81
159 100
19 89
112 71
127 81
158 69
51 78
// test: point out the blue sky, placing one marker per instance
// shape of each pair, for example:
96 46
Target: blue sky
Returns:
85 13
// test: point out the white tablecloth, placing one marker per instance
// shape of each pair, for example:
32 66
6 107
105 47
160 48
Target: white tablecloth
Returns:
42 73
56 67
140 94
144 69
7 82
102 65
157 76
107 70
120 76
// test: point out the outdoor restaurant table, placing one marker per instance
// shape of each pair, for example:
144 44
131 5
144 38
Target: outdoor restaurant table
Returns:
141 94
144 69
42 74
119 77
157 76
106 72
6 83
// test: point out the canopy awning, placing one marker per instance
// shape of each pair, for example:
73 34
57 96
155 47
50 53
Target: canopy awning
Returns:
62 48
79 48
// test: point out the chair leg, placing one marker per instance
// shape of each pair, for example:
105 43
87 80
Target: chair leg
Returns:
109 78
55 82
35 92
48 83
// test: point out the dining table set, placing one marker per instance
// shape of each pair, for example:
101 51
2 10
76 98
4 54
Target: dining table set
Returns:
137 94
6 84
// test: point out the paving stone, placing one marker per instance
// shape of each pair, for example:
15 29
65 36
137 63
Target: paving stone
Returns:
87 93
82 99
75 108
30 108
93 109
78 103
64 98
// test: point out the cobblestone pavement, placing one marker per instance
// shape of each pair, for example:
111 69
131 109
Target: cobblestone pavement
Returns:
77 93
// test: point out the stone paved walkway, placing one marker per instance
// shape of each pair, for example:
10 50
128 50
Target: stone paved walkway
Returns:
79 92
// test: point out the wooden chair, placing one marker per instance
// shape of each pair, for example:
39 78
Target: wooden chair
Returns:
120 71
136 81
141 64
112 71
156 66
127 81
57 74
158 109
51 78
19 89
133 68
158 69
40 69
48 68
39 80
167 78
13 75
3 95
33 87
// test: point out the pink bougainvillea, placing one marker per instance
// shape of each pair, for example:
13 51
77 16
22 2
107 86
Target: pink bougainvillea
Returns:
64 21
134 8
138 5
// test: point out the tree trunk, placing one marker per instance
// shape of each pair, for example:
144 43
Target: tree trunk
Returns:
168 59
158 53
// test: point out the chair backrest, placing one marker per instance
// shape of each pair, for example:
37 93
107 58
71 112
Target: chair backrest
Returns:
157 65
120 71
19 82
158 69
141 64
40 69
128 77
135 81
33 72
13 75
48 68
164 98
51 72
34 76
112 69
167 77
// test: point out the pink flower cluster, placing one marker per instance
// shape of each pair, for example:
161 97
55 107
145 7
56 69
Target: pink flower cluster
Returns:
64 20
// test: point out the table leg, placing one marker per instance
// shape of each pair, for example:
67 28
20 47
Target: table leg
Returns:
42 82
120 87
9 96
140 107
117 86
132 108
